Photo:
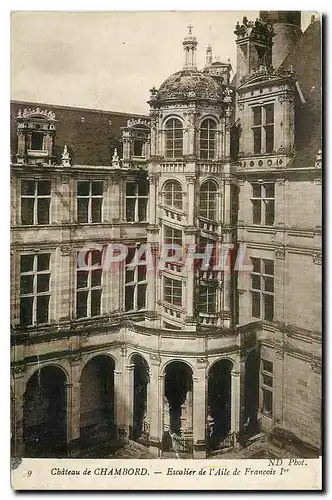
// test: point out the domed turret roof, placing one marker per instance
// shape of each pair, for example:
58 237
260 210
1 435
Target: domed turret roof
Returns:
188 83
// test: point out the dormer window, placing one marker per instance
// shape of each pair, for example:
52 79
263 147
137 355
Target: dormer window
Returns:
263 128
138 147
36 131
37 141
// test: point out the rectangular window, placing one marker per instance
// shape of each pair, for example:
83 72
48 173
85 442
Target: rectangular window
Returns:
263 128
89 286
173 291
267 366
207 299
89 201
135 281
137 195
35 202
262 289
267 402
267 387
263 204
34 288
173 240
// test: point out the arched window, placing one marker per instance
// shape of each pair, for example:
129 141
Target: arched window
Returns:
208 139
172 194
208 200
174 138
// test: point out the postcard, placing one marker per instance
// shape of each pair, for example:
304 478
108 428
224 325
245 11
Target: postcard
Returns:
166 252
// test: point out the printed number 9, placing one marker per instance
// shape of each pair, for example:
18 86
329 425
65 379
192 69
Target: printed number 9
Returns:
29 473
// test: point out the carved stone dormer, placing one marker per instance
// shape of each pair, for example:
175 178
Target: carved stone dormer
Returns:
135 139
35 136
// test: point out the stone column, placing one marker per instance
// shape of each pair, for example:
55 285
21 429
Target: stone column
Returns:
118 401
20 143
115 199
235 401
129 401
152 279
286 112
74 407
18 413
155 405
190 274
280 201
199 404
190 180
278 387
153 179
65 285
227 141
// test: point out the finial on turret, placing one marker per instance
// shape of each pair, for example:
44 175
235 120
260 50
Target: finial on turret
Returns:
208 55
189 45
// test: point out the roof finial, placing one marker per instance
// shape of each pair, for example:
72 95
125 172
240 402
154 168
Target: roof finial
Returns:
189 45
209 55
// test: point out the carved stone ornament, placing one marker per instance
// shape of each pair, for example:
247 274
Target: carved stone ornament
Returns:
155 359
280 252
43 113
318 160
65 250
316 367
317 258
138 121
65 158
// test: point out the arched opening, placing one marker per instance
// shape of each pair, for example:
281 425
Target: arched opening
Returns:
208 133
45 414
140 429
172 194
178 408
174 138
251 394
219 404
208 200
97 422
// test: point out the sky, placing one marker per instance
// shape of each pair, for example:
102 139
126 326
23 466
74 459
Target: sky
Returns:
110 60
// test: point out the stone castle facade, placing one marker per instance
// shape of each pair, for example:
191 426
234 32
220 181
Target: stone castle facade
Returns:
198 355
